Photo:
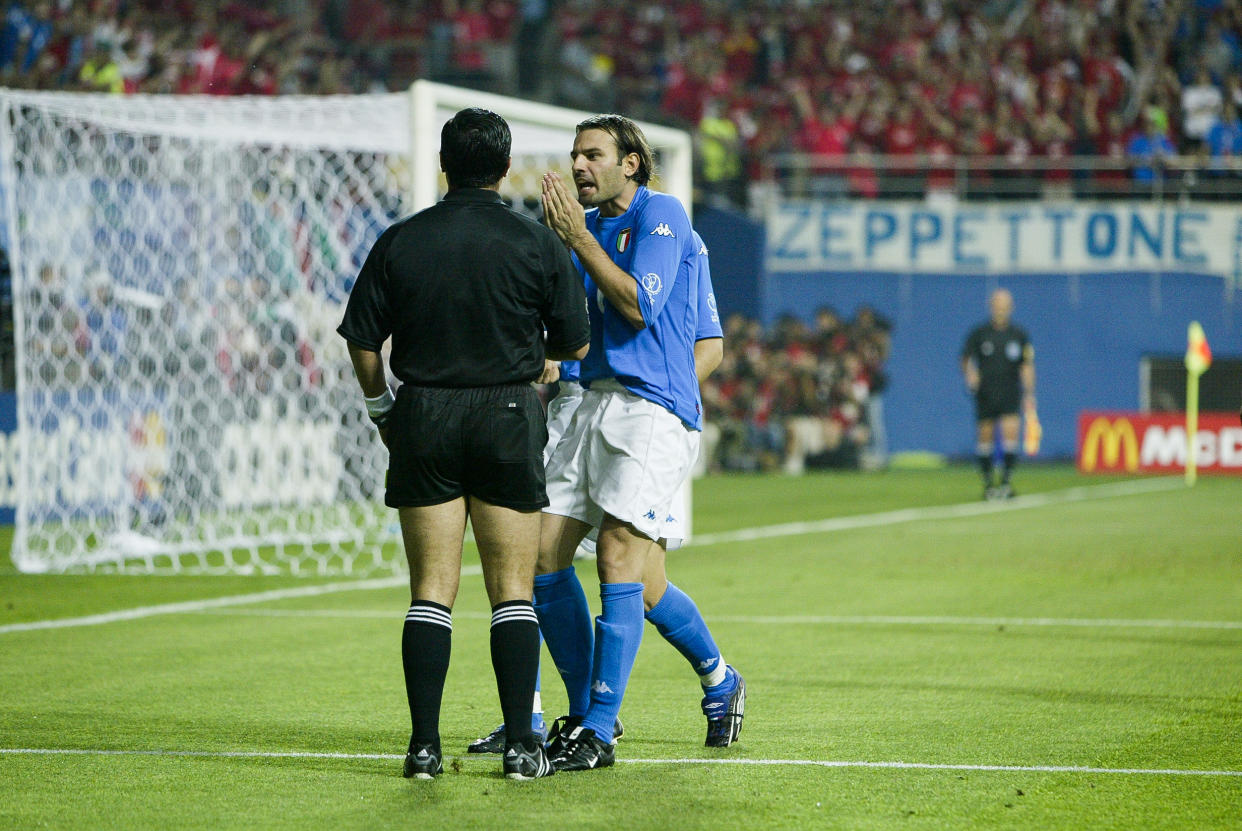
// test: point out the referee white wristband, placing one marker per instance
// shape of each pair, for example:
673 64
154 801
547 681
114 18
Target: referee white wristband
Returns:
379 406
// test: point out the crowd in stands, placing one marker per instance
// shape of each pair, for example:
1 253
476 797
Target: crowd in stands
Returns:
798 396
1137 81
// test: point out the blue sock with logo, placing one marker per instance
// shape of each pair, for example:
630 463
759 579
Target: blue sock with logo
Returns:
679 621
618 633
565 621
536 716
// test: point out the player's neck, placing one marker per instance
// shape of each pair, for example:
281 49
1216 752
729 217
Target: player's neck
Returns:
620 203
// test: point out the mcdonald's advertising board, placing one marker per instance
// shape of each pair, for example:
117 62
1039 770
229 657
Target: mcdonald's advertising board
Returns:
1116 442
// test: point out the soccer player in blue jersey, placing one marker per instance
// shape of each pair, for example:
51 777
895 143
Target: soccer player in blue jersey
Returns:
708 353
629 445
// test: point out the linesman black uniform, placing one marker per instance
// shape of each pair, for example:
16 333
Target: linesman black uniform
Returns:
999 355
998 362
474 296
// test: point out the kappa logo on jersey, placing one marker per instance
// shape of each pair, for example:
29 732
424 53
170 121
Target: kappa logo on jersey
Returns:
663 230
600 687
652 283
623 239
703 250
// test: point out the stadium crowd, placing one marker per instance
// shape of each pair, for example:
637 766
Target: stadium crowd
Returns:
1133 80
798 396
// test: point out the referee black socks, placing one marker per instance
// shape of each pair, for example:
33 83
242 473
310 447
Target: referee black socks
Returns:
426 642
515 658
984 455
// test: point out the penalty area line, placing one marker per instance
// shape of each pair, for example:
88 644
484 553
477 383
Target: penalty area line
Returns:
960 510
203 605
824 763
196 606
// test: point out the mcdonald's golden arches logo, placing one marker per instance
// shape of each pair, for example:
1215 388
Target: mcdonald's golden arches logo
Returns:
1108 443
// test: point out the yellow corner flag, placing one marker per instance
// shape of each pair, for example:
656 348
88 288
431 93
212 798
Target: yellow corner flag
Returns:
1198 359
1198 355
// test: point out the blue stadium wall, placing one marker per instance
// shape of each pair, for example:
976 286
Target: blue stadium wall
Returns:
1090 328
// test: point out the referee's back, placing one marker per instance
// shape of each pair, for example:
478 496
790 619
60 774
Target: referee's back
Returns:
466 289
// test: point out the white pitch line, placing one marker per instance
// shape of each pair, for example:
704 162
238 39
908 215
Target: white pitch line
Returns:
825 763
792 620
210 603
958 511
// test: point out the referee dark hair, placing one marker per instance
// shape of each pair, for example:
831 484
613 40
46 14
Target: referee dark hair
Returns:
467 289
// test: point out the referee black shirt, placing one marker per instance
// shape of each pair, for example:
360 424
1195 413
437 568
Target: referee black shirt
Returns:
466 289
999 355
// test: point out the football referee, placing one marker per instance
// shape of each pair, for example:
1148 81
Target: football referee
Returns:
998 363
474 296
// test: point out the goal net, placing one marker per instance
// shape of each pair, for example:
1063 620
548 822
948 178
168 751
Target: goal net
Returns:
179 269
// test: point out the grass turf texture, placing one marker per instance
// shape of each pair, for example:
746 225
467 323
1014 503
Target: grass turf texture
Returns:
270 678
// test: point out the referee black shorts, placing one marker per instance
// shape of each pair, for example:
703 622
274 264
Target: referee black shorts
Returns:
485 442
993 401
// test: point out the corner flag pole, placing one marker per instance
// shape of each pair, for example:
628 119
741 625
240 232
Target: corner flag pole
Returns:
1198 359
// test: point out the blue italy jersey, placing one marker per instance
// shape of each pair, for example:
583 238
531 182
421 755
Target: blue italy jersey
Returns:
709 316
654 242
570 370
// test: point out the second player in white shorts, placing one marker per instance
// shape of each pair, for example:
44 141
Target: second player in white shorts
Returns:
620 455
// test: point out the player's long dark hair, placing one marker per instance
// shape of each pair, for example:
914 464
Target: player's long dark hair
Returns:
629 140
474 148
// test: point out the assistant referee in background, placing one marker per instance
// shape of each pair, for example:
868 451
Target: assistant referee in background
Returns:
998 363
467 290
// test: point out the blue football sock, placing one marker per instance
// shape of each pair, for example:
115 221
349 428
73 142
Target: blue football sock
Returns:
536 716
618 633
565 621
679 621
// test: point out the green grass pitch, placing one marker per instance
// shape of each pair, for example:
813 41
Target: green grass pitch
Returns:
1098 630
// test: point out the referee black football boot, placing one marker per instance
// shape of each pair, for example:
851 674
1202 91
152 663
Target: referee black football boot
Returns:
581 749
527 760
565 724
422 761
725 710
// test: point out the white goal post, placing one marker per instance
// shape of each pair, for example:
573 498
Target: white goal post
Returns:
180 264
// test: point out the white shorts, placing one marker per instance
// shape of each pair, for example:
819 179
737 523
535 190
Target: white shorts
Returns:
621 455
678 512
560 410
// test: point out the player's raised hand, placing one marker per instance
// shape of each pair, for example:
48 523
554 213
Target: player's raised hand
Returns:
561 210
551 372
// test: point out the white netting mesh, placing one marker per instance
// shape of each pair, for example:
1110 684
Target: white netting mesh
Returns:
180 267
184 402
